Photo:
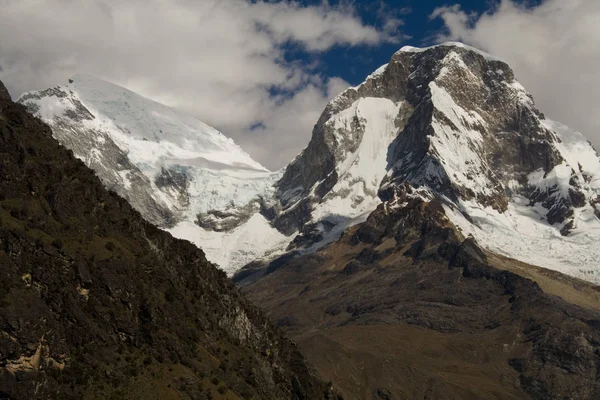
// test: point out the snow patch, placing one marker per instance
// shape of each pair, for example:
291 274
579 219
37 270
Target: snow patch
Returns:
487 56
522 233
578 153
458 145
360 172
232 250
48 107
125 179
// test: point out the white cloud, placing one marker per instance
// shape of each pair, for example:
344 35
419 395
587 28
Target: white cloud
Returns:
553 47
292 121
216 59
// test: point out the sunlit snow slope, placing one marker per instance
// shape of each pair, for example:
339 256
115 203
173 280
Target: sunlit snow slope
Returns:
523 231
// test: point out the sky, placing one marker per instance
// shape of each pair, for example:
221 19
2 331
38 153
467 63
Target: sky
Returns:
263 71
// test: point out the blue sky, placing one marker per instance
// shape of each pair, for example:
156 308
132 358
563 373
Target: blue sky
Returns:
354 63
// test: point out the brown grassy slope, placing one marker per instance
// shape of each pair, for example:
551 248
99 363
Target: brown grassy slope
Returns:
401 307
96 303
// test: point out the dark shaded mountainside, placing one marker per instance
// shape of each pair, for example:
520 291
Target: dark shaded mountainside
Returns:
97 303
404 307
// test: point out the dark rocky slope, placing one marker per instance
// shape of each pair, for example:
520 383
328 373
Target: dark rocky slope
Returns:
403 306
97 303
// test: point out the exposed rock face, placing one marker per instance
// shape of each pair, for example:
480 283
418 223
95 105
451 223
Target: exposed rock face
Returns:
228 219
95 302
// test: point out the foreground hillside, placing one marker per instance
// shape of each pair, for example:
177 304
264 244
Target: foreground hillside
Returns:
97 303
403 306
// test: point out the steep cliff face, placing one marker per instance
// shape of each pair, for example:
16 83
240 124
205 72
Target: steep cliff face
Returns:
95 302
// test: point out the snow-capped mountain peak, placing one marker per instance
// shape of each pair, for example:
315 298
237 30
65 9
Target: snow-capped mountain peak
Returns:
461 128
151 132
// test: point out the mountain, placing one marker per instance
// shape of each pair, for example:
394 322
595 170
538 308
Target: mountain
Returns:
415 248
425 205
96 303
449 120
179 173
404 306
454 123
